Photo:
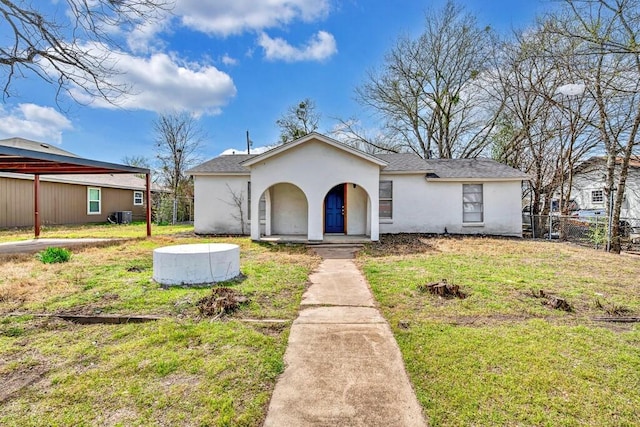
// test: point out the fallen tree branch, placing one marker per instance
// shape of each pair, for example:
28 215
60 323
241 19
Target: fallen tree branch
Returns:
617 319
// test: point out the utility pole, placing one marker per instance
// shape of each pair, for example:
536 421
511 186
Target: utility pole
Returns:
248 144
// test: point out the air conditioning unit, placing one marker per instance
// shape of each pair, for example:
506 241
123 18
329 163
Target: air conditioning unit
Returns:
123 217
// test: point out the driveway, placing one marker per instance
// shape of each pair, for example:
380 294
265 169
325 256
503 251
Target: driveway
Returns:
36 245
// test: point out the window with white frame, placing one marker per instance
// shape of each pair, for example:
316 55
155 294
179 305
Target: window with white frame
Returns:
386 200
138 198
472 203
597 196
94 201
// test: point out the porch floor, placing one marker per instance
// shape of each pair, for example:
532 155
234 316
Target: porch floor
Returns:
328 239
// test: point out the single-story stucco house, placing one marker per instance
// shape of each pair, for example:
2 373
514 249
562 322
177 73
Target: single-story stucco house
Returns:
317 186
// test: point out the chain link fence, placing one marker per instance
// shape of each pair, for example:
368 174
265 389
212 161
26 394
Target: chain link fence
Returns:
167 209
590 231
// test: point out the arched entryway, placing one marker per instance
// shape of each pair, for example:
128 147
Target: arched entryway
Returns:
285 210
346 210
334 210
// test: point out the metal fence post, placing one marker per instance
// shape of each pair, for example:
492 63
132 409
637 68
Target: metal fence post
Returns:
549 226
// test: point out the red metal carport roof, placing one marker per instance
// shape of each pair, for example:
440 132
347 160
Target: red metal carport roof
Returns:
34 162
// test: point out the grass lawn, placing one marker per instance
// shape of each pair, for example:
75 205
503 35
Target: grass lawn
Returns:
182 370
501 357
103 230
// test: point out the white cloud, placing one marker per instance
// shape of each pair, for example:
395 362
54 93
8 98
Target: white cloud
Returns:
227 17
144 38
227 60
162 83
33 121
319 47
254 150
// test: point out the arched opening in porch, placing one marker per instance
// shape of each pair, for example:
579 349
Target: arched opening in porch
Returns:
347 210
285 211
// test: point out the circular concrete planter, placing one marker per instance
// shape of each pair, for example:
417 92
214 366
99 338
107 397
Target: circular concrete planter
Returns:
196 264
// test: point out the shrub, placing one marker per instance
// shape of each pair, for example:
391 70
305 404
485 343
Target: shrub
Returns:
53 255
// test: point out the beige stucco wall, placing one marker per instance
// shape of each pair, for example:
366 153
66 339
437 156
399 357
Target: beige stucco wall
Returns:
422 206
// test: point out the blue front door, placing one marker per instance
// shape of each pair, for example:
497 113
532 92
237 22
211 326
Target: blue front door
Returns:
334 210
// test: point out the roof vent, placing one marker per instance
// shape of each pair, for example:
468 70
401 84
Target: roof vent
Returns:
42 144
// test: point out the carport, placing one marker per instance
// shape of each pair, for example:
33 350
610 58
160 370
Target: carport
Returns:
36 163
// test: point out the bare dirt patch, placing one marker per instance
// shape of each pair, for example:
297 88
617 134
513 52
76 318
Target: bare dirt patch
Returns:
401 244
15 381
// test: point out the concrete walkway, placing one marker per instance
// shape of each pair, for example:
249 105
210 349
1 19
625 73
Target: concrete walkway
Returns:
343 366
35 245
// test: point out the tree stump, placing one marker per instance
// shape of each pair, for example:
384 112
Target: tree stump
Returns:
443 289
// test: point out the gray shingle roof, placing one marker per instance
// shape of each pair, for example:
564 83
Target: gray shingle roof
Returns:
401 162
223 164
472 168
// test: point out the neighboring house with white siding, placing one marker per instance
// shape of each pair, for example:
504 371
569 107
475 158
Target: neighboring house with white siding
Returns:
588 189
316 186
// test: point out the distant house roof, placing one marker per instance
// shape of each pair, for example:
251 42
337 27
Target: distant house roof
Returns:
27 144
121 181
597 163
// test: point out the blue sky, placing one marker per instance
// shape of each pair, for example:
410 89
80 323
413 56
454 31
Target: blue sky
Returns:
238 65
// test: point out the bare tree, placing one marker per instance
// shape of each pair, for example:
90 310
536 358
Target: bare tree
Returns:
136 161
237 202
178 141
607 33
300 119
431 91
352 133
544 129
71 49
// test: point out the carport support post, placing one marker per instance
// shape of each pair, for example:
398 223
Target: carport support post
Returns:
36 205
148 179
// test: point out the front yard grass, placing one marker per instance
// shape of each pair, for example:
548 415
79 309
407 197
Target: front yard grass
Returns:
501 357
103 230
182 370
